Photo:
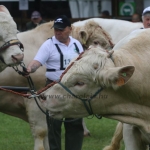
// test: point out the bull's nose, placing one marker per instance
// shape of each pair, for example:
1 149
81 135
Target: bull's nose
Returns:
42 96
18 57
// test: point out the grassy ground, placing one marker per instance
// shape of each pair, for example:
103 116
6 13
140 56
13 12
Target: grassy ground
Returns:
15 134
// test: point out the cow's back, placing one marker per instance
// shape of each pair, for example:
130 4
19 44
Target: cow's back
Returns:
118 29
135 50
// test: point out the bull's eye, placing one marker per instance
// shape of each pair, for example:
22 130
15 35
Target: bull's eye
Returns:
96 43
79 83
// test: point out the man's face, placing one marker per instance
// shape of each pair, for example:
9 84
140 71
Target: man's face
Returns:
36 20
146 21
62 35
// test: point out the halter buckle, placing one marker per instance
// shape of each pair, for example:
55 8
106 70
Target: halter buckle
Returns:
33 96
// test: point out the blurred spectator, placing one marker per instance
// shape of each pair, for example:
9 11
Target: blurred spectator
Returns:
105 14
36 19
136 18
146 17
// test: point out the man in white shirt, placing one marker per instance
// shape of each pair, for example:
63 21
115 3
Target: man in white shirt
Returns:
55 54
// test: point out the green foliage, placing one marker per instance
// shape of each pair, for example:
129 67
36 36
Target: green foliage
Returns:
15 134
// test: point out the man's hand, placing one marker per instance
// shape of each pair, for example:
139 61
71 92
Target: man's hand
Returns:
32 67
26 72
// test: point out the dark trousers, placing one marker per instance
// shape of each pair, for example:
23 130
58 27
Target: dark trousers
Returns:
73 133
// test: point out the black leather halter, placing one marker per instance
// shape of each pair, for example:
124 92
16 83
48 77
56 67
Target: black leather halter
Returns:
84 100
10 43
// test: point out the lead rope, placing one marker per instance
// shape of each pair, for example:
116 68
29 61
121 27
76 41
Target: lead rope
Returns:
32 87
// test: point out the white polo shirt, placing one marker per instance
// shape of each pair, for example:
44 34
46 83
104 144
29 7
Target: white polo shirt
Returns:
49 56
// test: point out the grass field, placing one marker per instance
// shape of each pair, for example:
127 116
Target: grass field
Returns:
15 134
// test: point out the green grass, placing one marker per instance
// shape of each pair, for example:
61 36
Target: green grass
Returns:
15 134
102 131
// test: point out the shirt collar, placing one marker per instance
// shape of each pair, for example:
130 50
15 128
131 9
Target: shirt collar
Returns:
55 41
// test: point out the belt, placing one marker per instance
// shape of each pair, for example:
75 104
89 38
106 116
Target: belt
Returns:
50 70
48 81
53 70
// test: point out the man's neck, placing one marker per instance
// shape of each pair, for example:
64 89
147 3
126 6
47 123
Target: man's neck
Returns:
66 42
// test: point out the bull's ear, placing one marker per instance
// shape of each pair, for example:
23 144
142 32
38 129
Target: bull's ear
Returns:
83 36
124 74
118 76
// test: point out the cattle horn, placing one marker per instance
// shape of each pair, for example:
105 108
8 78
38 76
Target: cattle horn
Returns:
110 53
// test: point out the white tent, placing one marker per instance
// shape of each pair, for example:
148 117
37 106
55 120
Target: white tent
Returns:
84 8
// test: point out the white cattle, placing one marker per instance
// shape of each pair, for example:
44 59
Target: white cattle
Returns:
10 51
115 86
118 29
27 109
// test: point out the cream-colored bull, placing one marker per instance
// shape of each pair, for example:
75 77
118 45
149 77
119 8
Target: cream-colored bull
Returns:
122 80
26 109
10 52
118 29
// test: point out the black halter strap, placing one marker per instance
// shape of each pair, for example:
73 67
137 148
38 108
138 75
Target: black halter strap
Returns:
10 43
84 100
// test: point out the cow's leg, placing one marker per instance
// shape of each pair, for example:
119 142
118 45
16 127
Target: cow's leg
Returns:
117 137
132 138
86 131
46 143
37 121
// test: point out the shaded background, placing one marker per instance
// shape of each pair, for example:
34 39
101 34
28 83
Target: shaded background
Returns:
74 9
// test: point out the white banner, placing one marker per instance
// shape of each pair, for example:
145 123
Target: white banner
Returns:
23 4
84 8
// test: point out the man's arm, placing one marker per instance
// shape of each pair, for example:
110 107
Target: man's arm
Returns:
33 66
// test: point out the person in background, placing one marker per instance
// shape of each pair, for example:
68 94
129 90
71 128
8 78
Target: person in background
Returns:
146 17
136 18
105 14
36 19
56 53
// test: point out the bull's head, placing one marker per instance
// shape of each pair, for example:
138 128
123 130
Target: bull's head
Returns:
11 50
78 94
